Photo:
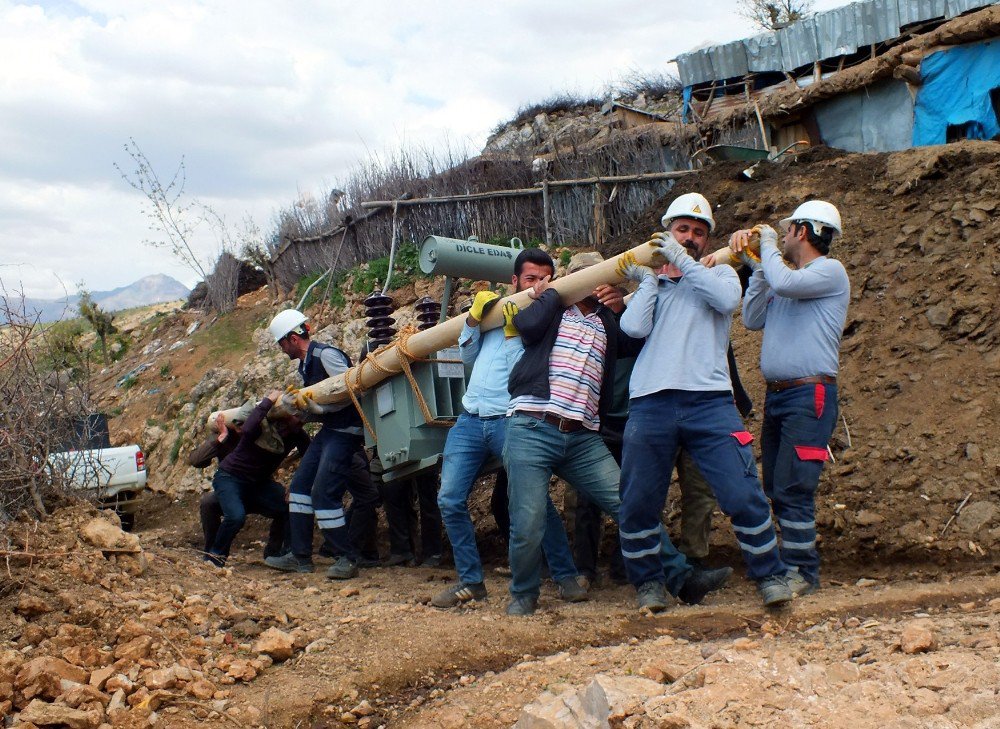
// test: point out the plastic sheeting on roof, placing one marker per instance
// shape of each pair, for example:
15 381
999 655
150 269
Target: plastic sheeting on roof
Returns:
817 38
956 93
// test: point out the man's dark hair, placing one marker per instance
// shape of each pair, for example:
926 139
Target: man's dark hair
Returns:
820 241
533 255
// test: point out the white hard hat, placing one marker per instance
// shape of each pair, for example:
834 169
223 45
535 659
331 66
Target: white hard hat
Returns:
818 212
689 205
286 322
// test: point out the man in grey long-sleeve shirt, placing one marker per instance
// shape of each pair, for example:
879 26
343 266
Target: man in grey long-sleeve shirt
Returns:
681 396
802 311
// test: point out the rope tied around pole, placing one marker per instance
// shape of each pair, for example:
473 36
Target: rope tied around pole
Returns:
353 378
405 358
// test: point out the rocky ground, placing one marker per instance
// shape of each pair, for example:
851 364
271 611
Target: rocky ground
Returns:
903 634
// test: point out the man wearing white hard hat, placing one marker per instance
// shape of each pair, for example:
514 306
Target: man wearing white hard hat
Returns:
682 397
325 472
802 311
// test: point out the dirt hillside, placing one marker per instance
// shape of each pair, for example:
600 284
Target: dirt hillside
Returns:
904 633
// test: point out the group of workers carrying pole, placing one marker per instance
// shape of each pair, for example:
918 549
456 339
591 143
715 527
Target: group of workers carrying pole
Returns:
544 392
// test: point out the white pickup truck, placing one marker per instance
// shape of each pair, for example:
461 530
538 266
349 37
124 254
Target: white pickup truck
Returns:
114 477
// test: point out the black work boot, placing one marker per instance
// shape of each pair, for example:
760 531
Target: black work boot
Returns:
701 582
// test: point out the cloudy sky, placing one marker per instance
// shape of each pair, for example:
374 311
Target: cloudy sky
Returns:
268 102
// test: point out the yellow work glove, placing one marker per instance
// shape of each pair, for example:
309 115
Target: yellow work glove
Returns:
509 311
484 301
301 399
628 268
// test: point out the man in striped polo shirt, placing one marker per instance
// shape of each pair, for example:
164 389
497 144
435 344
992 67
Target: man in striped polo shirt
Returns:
559 388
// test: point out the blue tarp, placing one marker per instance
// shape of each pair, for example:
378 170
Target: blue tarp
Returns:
687 103
956 91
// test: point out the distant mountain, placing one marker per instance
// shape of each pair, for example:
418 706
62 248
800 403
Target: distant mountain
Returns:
154 289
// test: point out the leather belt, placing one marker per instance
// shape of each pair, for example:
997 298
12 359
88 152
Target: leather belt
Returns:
779 385
488 417
565 425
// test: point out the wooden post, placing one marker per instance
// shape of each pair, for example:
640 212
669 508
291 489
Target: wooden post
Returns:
546 213
598 228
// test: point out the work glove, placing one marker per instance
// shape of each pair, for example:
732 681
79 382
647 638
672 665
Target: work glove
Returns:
628 268
301 401
768 235
669 248
484 301
749 258
509 311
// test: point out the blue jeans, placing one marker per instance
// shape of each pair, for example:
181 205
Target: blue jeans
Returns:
470 442
238 497
317 490
707 425
533 452
798 423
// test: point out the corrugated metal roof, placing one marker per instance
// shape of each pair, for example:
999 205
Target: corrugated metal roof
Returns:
836 32
798 44
957 7
914 11
825 35
763 52
730 60
697 67
877 20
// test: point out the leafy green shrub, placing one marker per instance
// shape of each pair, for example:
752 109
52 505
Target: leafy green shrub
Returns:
119 346
165 370
62 349
406 270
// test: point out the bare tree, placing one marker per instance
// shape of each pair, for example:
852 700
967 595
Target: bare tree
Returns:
38 406
176 218
223 282
774 14
170 213
257 251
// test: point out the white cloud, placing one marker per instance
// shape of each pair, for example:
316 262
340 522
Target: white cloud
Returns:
264 100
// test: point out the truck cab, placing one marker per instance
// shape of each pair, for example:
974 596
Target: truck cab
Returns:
114 477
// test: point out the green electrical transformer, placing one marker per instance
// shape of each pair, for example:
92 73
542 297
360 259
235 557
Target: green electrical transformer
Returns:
407 443
410 417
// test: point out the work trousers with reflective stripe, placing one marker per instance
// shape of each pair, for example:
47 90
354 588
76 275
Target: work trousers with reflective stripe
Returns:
707 425
798 423
317 491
